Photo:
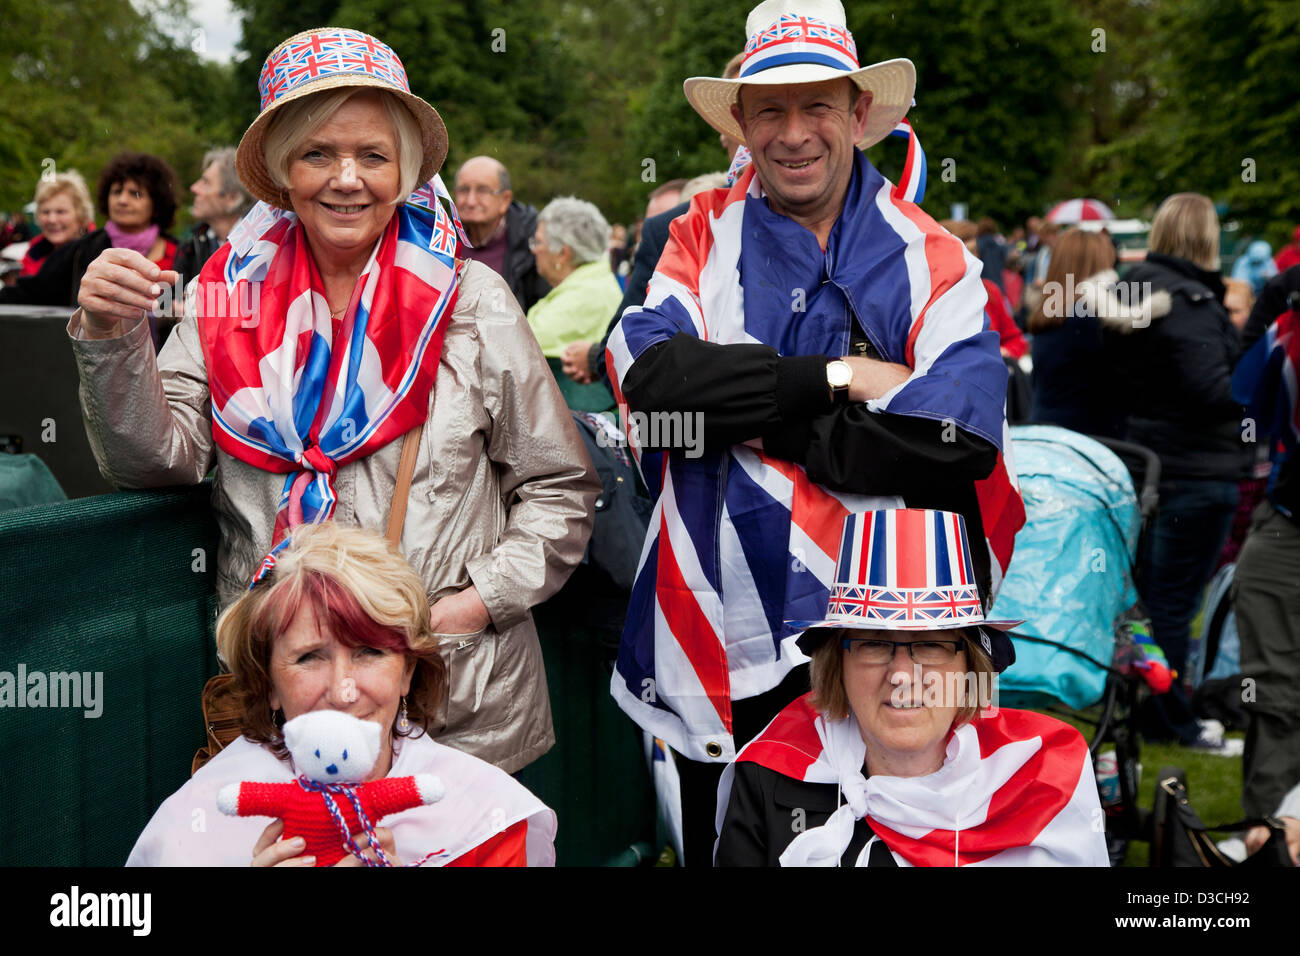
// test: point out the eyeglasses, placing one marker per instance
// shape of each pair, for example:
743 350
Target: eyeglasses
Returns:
869 650
477 191
534 244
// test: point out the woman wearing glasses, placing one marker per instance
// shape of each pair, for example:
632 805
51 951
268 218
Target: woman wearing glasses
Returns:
899 755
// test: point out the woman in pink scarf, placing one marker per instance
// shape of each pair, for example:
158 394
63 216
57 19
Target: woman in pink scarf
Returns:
137 195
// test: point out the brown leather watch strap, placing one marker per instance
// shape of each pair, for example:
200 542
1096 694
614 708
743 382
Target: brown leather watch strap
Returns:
402 491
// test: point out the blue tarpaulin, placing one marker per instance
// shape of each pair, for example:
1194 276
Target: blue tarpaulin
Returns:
1071 576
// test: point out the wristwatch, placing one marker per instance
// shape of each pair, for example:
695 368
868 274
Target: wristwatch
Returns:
839 376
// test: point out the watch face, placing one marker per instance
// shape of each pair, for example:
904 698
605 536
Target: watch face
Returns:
838 374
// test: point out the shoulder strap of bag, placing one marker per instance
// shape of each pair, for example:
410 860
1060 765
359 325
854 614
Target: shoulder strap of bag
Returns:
402 491
220 709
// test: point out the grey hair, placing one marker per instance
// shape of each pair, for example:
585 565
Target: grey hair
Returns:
577 224
224 157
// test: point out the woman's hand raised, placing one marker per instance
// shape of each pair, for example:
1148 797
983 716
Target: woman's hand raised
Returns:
119 284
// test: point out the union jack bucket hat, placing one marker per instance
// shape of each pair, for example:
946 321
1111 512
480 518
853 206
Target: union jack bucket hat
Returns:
805 41
907 569
323 59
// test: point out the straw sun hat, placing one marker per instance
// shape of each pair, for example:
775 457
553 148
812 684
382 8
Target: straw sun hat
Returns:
329 58
805 41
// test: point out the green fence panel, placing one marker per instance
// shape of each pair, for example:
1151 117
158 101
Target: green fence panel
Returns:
121 587
595 778
118 587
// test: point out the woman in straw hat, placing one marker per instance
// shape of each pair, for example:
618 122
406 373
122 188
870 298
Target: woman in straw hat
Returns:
335 336
899 755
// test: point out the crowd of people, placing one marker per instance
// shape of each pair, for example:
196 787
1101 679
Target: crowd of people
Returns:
384 372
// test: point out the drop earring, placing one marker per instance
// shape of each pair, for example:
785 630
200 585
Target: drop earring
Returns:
403 724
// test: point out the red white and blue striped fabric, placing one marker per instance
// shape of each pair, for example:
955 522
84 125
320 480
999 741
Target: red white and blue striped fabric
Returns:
1267 382
741 542
794 39
911 185
1016 789
907 569
334 52
294 392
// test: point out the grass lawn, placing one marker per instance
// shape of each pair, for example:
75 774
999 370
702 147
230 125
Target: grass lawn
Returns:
1213 783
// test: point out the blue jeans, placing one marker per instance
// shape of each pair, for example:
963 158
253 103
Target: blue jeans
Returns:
1179 555
1176 563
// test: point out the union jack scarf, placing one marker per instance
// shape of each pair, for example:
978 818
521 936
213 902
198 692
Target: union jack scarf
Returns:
741 542
292 391
1016 789
1265 381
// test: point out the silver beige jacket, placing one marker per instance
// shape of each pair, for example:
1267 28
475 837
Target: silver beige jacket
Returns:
501 497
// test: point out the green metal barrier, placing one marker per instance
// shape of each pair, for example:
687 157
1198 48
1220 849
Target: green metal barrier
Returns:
122 586
119 588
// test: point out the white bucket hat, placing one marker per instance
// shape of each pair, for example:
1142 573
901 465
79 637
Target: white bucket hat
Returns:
805 41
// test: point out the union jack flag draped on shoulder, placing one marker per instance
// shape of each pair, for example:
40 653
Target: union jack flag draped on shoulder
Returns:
1016 789
741 542
297 392
1265 381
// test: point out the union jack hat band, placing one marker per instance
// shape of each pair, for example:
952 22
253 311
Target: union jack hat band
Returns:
906 569
805 41
318 61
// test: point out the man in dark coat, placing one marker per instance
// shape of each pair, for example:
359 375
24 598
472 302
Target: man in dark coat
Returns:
499 228
1266 584
220 201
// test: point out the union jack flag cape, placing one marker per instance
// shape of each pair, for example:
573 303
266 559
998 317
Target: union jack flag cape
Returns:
1265 381
742 542
1016 789
293 391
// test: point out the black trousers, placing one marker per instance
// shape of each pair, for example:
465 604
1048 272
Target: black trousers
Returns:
699 781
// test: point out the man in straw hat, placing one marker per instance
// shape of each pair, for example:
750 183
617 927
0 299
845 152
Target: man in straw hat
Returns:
828 337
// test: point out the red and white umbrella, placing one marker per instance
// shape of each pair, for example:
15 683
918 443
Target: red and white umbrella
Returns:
1078 210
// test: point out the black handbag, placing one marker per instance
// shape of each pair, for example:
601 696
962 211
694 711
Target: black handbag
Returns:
1180 838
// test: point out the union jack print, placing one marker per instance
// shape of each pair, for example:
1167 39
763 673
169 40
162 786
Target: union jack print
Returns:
793 39
309 56
742 543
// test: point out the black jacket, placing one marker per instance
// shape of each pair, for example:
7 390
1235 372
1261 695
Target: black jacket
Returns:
195 251
767 810
750 391
521 268
1271 303
59 279
1178 372
654 236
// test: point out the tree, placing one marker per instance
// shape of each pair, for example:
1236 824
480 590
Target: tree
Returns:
76 95
992 96
1225 113
666 130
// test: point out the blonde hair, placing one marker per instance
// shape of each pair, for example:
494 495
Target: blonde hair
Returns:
294 122
1186 226
827 675
71 183
352 579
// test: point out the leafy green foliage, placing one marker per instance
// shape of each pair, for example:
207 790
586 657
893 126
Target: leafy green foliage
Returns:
1030 102
1224 116
90 78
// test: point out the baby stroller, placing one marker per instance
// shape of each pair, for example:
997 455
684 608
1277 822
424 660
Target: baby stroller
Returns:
1083 645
